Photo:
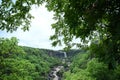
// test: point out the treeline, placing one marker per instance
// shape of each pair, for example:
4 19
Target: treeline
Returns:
23 63
85 66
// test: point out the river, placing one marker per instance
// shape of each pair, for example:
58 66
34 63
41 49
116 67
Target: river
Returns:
54 72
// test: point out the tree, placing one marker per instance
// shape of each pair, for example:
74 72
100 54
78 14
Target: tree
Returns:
15 13
86 18
23 63
82 18
9 47
9 61
74 19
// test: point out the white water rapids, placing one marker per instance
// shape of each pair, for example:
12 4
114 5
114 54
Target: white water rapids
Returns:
57 69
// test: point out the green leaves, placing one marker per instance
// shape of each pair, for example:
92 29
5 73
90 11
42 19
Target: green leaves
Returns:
23 63
82 18
85 67
9 46
14 14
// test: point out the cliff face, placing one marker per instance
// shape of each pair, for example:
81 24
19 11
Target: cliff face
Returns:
60 54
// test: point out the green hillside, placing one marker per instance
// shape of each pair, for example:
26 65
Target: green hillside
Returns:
23 63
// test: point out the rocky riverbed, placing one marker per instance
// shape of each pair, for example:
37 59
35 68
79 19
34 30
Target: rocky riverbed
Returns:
53 73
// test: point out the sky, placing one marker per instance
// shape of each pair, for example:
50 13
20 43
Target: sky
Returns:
40 30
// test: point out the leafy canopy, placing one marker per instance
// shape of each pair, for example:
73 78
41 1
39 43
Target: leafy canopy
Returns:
80 19
15 13
96 20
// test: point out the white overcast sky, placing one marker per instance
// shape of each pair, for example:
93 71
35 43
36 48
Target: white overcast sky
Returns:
40 30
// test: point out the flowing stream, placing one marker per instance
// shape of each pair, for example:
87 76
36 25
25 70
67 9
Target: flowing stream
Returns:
54 72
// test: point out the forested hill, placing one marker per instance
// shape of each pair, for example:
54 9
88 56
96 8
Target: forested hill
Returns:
53 53
23 63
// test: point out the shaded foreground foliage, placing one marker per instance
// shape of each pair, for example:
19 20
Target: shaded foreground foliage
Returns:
23 63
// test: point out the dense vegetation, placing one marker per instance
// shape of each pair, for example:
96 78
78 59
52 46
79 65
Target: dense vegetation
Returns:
23 63
94 21
84 67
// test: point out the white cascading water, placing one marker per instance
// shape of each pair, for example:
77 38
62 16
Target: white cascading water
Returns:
65 55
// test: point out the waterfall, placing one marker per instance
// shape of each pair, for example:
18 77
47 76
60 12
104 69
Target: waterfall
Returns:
65 55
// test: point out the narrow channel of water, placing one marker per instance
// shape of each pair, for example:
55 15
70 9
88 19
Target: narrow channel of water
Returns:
57 69
53 73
